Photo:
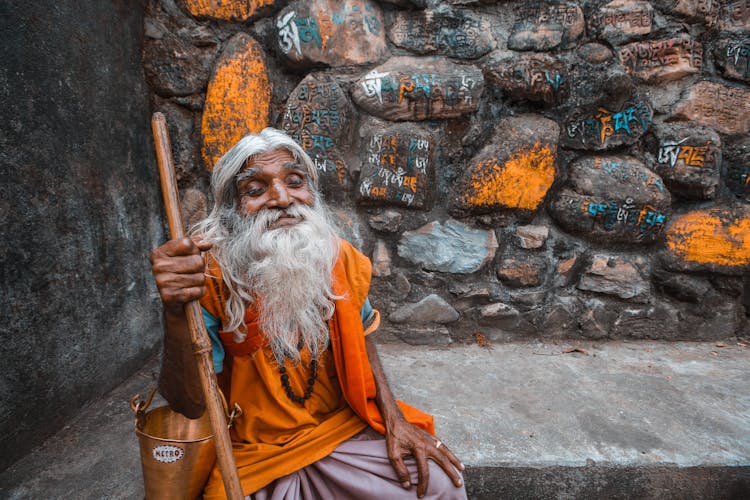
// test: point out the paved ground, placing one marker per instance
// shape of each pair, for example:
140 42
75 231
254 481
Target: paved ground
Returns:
576 420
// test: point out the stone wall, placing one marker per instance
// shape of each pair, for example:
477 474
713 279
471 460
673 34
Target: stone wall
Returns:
514 169
81 210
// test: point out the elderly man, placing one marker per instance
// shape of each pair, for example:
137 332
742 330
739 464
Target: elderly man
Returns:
285 303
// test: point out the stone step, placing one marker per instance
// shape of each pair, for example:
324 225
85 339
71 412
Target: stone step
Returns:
639 420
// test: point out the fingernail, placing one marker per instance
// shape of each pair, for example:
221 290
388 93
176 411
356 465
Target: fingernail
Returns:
462 466
406 484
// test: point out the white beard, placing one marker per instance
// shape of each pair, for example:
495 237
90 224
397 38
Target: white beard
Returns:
287 272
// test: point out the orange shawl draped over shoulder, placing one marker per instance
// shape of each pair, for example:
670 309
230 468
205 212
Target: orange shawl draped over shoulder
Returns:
351 281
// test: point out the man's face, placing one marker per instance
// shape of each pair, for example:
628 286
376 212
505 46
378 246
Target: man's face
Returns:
274 180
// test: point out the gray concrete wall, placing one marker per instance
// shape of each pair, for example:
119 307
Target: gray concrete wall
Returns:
80 211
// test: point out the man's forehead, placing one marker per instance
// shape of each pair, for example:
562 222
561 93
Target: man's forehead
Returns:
274 156
278 158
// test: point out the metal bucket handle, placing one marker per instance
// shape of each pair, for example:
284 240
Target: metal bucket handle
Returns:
139 407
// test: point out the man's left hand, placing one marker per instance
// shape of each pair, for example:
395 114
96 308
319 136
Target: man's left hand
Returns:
404 439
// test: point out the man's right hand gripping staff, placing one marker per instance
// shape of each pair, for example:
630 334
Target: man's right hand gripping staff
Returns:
179 272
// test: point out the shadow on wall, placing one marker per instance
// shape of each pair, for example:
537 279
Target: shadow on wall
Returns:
81 212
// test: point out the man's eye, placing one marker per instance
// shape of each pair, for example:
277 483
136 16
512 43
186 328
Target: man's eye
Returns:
252 192
295 181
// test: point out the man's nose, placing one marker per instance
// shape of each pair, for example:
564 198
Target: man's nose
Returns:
279 195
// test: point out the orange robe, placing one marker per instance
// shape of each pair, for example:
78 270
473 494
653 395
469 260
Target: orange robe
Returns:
276 436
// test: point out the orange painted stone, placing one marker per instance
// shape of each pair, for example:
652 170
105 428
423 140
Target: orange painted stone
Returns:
226 10
237 99
514 172
506 183
715 239
723 108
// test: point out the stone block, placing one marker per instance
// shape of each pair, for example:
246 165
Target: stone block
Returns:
713 239
661 60
522 271
612 199
398 168
236 11
428 334
381 260
689 160
331 32
505 319
565 265
388 221
738 177
594 53
605 127
410 88
703 11
319 116
659 322
732 57
529 300
734 15
452 247
561 318
723 108
457 33
513 172
174 63
531 236
621 21
238 97
547 25
536 77
615 276
615 176
596 319
402 285
683 287
498 310
431 309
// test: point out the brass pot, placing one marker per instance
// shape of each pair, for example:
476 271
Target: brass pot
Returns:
177 453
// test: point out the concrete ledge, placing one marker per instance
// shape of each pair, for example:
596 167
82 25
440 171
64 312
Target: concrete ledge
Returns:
608 420
613 420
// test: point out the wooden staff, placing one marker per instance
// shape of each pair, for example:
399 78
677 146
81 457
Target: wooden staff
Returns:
198 335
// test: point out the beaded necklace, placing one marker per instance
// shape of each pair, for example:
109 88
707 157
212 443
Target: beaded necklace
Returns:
311 381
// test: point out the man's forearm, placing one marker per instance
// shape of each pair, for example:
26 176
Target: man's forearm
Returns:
384 397
179 381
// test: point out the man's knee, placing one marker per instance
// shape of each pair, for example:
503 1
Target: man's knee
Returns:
441 485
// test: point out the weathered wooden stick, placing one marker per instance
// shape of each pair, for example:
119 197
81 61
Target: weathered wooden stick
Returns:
198 335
